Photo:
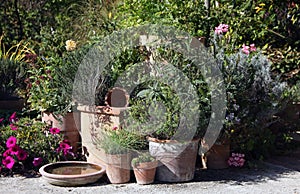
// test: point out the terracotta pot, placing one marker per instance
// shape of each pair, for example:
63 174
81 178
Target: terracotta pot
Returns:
145 172
67 125
177 160
118 168
217 156
117 97
92 122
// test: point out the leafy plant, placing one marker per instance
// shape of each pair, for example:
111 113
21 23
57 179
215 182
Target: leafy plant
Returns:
120 141
26 144
142 158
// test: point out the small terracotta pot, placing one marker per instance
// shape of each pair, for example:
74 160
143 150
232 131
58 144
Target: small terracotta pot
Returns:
145 172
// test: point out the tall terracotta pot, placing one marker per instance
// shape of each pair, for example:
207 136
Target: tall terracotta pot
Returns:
93 120
118 168
177 160
67 125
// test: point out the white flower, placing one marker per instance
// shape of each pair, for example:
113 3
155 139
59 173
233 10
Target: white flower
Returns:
70 45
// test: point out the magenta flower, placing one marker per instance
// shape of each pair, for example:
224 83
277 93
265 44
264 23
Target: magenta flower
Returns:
64 147
22 155
1 119
54 130
245 49
13 118
114 128
252 47
11 142
13 127
37 161
15 150
8 162
7 153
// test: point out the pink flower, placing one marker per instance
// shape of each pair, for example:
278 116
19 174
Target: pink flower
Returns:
245 49
22 155
8 162
11 142
1 119
115 128
236 160
37 161
64 147
252 47
13 118
13 127
54 130
14 150
222 28
7 153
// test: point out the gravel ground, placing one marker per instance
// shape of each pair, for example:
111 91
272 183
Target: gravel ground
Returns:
270 178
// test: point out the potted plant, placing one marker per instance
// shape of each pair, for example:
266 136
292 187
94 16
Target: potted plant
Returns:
117 144
13 75
144 168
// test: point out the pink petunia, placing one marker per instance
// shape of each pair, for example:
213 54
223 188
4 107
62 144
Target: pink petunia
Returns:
13 127
8 162
13 118
115 128
54 130
37 161
11 142
245 49
64 147
218 30
14 150
1 119
22 155
252 47
7 153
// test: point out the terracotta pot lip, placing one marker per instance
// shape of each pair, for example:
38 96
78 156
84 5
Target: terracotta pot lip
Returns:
126 95
152 139
101 109
146 165
67 177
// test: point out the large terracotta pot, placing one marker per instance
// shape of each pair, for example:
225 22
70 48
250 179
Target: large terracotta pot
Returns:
93 120
66 124
217 156
118 168
145 172
177 160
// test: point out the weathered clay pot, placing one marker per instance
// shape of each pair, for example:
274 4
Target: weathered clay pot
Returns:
177 160
118 168
67 126
217 156
145 172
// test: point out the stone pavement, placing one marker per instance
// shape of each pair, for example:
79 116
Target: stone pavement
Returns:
269 178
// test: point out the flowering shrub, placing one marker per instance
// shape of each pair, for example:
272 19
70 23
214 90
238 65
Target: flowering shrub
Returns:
236 160
29 144
254 95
